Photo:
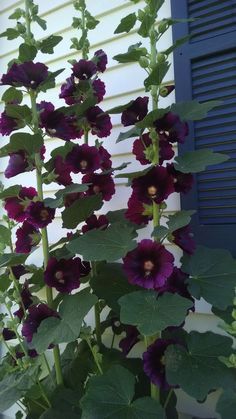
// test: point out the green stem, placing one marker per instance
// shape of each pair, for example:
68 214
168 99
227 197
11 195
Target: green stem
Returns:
98 324
94 356
155 392
84 49
168 399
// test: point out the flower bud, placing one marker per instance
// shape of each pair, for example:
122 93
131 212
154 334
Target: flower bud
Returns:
162 27
143 62
234 313
161 58
166 90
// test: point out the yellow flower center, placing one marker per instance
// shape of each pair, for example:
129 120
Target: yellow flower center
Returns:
83 164
148 267
59 277
152 191
44 214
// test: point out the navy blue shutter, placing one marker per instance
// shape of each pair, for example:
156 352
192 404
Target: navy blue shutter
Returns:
205 69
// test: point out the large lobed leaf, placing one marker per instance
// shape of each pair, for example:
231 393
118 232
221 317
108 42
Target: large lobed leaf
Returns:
80 210
198 160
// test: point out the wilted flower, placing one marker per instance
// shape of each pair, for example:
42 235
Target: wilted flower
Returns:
183 182
156 185
28 74
183 237
149 265
94 222
39 215
83 158
170 128
65 274
16 206
37 313
135 112
99 122
100 184
28 236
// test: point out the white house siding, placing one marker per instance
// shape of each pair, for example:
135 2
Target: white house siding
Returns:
123 83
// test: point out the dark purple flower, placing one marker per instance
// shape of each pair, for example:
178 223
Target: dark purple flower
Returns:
99 89
154 362
177 284
68 91
36 315
19 271
7 124
16 206
101 60
73 92
70 198
128 342
166 90
138 212
65 274
135 112
32 353
84 69
166 151
94 222
62 170
83 159
183 237
39 215
156 185
149 265
27 237
105 158
28 74
141 144
99 122
170 128
8 334
57 124
26 298
100 183
183 182
17 164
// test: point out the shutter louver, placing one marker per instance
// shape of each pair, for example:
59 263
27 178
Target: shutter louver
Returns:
205 69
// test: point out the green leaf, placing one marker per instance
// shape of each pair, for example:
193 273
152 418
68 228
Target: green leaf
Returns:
27 52
151 314
160 232
176 44
212 275
151 117
41 22
157 75
47 45
22 113
11 191
147 22
197 368
10 34
4 282
110 284
133 175
65 403
80 210
133 132
17 14
110 244
72 311
179 219
12 259
226 405
155 5
50 81
110 396
133 54
127 23
23 141
119 109
5 235
193 110
59 201
12 94
198 160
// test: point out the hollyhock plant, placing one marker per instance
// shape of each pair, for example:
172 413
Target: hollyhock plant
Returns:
27 237
84 69
177 283
138 212
64 274
142 148
99 122
28 74
183 182
83 159
62 170
94 222
37 313
70 198
100 184
149 265
100 58
183 237
16 206
135 112
26 301
73 92
39 215
105 158
20 162
171 129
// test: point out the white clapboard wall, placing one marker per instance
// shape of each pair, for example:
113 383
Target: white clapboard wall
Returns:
123 83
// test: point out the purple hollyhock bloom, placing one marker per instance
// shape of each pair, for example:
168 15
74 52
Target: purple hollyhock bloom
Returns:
17 164
166 90
62 170
7 124
27 300
84 69
99 122
16 206
83 159
136 212
154 362
183 182
170 128
27 237
99 89
18 271
39 215
8 334
101 60
68 91
70 198
156 185
56 123
100 183
149 265
105 158
128 342
135 112
94 222
183 237
165 149
65 274
28 74
73 92
37 313
177 284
